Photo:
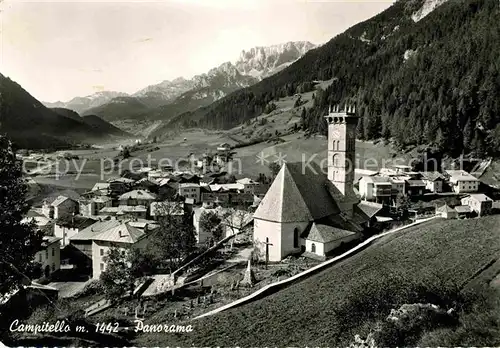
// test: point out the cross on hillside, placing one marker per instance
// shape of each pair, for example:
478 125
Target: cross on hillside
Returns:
267 250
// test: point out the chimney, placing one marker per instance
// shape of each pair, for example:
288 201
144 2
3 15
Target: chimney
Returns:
120 233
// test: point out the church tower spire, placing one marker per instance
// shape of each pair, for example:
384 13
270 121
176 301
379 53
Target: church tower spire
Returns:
342 122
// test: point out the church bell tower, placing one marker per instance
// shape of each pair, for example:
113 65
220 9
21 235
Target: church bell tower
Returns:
342 154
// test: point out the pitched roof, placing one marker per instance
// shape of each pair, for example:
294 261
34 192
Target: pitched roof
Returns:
49 240
432 176
76 221
377 179
122 180
109 210
416 183
370 209
123 233
123 209
481 197
93 230
101 199
59 200
100 186
297 194
445 209
245 181
460 175
226 187
324 234
111 231
138 194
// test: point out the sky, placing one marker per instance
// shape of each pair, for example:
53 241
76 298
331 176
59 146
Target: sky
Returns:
58 50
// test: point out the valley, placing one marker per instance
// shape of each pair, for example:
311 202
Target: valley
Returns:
345 194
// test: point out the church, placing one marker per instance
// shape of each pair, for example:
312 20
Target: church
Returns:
306 210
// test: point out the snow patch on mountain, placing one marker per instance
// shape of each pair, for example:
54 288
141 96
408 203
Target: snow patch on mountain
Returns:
427 7
80 104
261 62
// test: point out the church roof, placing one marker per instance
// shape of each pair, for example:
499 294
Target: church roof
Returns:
298 193
324 234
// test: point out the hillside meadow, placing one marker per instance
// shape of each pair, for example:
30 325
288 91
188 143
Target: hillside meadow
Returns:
429 263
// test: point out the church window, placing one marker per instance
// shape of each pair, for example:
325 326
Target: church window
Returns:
296 238
313 247
335 160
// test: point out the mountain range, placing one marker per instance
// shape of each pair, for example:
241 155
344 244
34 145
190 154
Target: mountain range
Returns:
422 73
169 98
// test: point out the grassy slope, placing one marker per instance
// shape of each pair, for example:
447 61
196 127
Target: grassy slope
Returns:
307 313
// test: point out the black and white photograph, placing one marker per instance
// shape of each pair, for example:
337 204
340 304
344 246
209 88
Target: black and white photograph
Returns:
250 173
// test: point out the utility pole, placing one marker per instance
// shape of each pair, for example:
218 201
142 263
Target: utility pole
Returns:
267 250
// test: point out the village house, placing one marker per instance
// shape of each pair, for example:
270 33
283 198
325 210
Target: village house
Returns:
122 236
137 197
119 186
81 244
415 187
375 188
38 218
49 256
144 225
433 181
368 210
91 206
398 186
241 199
479 203
224 147
401 169
47 208
462 182
248 185
190 190
445 211
320 239
306 211
216 198
108 211
65 228
101 189
146 184
64 207
463 211
132 211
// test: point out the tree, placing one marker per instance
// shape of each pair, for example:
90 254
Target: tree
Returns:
125 152
175 238
274 168
117 278
494 140
19 241
123 268
211 221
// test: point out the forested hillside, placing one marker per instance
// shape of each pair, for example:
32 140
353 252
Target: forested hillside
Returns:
435 81
29 124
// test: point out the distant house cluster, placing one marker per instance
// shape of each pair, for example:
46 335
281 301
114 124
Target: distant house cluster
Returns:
123 211
388 184
475 204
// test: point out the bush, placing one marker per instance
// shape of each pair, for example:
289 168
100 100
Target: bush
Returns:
91 288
